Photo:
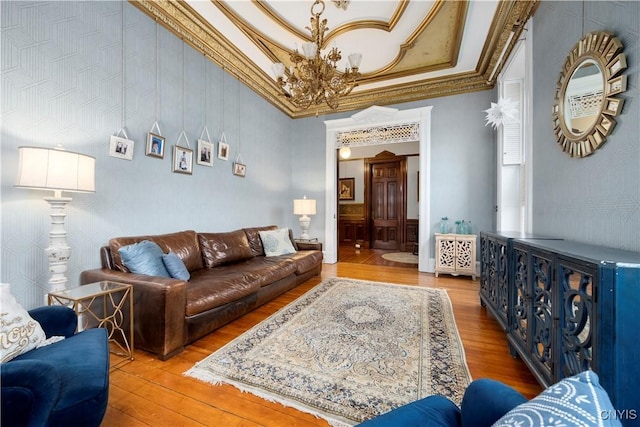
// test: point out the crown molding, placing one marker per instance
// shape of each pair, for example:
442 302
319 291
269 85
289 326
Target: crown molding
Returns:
179 18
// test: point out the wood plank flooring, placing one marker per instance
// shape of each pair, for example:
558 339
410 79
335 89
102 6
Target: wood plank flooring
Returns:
149 392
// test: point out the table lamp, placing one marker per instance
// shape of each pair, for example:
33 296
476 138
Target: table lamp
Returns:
304 207
58 170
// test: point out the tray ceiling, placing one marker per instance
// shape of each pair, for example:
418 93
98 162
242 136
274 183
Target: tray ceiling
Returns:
412 49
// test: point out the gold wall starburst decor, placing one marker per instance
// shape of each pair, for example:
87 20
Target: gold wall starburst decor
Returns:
585 102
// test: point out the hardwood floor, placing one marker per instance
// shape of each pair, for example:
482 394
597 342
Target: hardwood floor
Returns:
149 392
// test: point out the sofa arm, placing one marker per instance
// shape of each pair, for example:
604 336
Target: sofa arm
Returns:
485 401
56 320
309 246
159 306
30 390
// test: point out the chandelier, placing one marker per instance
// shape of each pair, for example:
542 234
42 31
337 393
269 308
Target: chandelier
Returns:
314 79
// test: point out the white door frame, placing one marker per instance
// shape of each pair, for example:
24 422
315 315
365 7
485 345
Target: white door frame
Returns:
379 116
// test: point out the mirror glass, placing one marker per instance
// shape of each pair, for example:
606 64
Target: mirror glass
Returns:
584 97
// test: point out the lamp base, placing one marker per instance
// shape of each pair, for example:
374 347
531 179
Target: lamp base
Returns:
305 221
58 251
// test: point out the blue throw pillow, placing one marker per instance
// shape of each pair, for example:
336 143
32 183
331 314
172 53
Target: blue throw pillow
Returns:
175 266
574 401
144 258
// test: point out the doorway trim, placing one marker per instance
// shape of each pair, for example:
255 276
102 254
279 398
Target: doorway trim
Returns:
372 117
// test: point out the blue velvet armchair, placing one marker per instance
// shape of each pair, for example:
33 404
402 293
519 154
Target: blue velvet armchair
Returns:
484 402
577 400
62 384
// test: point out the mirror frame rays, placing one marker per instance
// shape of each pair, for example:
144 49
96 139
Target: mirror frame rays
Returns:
606 50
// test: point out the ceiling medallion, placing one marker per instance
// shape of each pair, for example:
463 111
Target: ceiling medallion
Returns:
314 79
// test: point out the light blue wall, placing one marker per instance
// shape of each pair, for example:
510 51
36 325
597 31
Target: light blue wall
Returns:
595 199
62 80
463 165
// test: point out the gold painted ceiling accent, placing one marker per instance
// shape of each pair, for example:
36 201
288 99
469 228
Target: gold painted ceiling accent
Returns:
426 43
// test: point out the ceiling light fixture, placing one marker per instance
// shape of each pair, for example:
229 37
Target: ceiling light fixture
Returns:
314 79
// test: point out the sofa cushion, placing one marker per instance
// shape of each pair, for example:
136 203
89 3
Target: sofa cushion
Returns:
144 258
224 248
276 242
253 235
305 260
267 270
577 400
183 243
211 288
19 332
175 266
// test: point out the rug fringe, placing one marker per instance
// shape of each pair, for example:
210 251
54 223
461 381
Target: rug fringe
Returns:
206 376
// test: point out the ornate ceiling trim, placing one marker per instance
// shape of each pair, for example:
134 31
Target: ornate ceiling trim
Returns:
180 19
269 11
386 73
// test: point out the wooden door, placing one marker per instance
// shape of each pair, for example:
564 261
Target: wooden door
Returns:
387 204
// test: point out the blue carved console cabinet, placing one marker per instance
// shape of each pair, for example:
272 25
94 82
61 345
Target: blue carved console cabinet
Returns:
566 307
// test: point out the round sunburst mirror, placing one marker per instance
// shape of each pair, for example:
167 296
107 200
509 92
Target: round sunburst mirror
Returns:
586 103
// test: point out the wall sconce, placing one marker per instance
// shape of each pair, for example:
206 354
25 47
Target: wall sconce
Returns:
57 170
304 207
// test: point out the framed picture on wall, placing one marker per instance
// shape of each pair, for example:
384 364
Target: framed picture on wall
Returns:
223 150
239 169
346 187
205 153
121 148
155 145
182 160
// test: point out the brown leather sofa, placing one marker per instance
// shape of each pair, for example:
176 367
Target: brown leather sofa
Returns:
230 276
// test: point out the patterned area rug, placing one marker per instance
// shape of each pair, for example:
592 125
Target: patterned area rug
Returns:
348 350
404 257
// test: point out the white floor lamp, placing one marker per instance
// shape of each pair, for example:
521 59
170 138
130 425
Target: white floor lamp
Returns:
58 170
304 207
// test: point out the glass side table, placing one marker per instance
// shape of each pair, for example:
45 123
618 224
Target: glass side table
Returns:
102 305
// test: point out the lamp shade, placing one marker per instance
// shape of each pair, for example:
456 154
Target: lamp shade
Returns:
55 169
304 206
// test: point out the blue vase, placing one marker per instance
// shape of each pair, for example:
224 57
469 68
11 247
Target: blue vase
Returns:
444 225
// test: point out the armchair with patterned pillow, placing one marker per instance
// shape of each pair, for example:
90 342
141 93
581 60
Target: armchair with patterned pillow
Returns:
574 401
49 374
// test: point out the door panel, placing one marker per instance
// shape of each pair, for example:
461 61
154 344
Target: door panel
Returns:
386 205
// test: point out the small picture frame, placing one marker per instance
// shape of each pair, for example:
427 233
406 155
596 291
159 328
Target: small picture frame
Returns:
346 187
182 160
239 169
205 153
223 151
121 148
155 145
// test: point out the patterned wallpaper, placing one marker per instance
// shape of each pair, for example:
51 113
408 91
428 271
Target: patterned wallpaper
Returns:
77 72
595 199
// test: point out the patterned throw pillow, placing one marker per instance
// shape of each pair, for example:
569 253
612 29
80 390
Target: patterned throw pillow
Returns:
276 242
574 401
19 333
